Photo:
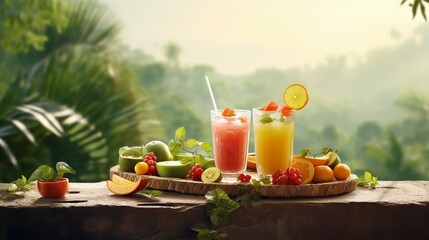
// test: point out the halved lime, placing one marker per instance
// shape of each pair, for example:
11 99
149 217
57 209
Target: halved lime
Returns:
211 174
135 151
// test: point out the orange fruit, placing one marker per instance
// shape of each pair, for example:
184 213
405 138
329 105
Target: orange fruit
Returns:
306 169
141 168
323 173
315 160
295 96
251 161
342 171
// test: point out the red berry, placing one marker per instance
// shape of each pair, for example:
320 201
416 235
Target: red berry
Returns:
151 162
291 170
297 181
247 178
241 177
199 171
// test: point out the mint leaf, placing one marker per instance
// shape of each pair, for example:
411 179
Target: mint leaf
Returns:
304 152
367 176
266 180
219 216
368 181
180 145
203 233
244 200
218 206
150 193
175 148
266 118
190 143
180 134
206 147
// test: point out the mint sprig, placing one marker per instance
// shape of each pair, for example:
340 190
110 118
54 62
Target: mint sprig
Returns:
368 180
307 152
180 144
20 186
218 206
266 118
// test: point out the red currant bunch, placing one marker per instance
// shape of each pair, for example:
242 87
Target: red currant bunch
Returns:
243 178
150 159
196 172
289 176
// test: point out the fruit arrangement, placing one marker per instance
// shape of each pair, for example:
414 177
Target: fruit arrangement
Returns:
326 168
188 158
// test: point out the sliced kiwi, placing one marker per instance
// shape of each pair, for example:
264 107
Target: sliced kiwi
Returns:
211 174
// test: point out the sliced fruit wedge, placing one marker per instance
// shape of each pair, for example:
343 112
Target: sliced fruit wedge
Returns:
272 106
314 160
228 112
119 180
251 161
306 169
124 188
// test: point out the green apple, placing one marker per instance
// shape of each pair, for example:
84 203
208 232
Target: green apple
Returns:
160 150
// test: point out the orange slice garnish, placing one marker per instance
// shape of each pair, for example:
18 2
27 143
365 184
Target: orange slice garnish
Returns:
295 96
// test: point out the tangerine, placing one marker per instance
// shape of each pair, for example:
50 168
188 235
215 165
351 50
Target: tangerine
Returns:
342 171
306 169
323 173
141 168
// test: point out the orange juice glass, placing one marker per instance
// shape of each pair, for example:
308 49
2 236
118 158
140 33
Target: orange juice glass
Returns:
274 134
231 140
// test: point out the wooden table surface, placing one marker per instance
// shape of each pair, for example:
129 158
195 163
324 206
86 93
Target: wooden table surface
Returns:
396 210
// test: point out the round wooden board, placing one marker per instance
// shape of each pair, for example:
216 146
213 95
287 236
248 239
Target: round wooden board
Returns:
233 189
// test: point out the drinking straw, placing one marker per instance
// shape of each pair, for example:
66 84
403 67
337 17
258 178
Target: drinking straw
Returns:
211 94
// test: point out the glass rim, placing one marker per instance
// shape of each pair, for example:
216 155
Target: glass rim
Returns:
235 109
260 110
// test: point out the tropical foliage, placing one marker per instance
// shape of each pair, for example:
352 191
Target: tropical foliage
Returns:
73 101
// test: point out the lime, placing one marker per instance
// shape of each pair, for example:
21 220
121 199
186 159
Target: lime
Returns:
295 96
333 159
211 174
160 150
135 151
208 163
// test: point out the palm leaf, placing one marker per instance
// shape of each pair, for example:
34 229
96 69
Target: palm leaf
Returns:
24 130
42 118
9 153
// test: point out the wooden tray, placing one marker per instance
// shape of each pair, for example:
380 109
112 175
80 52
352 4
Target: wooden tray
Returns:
232 189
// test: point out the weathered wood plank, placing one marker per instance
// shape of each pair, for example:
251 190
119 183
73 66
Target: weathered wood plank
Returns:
396 210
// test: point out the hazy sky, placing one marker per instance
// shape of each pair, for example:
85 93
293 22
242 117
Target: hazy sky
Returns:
239 36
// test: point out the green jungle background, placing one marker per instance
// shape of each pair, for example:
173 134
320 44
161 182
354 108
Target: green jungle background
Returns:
71 91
